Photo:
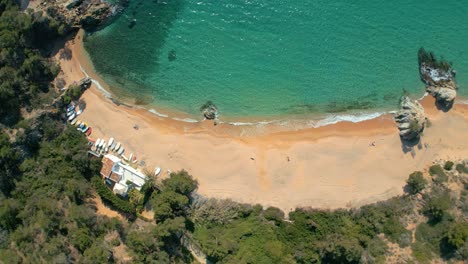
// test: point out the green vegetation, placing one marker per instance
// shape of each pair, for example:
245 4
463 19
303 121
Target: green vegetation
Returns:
437 204
47 179
255 235
170 205
73 92
439 173
25 75
461 168
173 200
416 182
234 233
108 196
448 165
457 235
43 213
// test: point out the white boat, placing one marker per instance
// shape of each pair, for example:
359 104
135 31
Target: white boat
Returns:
79 112
121 151
70 108
112 147
157 171
74 121
103 143
85 129
106 149
70 113
117 147
111 141
98 141
70 118
131 157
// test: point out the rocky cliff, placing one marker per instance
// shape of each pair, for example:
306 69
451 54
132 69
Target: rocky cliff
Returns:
411 119
77 13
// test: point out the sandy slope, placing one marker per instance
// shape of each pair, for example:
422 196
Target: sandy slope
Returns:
328 167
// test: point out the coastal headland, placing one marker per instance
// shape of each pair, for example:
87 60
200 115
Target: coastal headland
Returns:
340 165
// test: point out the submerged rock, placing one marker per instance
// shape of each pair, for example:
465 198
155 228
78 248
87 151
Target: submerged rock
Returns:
410 119
172 55
209 110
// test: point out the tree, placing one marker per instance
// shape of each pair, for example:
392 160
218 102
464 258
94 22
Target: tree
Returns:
81 239
341 250
169 204
181 182
135 197
274 214
416 182
458 234
97 253
9 214
437 204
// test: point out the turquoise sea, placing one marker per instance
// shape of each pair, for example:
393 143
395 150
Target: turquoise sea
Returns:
269 57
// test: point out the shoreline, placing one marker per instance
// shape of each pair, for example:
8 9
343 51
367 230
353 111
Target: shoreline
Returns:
281 122
331 166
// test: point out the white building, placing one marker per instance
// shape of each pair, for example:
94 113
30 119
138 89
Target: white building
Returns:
119 176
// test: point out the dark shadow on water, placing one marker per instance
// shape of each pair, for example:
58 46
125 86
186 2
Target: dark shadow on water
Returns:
124 53
132 24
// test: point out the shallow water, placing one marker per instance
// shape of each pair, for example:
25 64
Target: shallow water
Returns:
269 58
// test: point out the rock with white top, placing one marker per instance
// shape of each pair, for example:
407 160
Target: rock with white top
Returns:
410 119
444 93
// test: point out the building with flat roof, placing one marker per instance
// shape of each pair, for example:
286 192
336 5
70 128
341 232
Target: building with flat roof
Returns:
119 176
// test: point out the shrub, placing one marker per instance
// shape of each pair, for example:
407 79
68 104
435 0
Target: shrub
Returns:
421 252
458 235
181 182
461 168
416 182
274 214
108 196
448 165
437 204
395 231
115 242
436 170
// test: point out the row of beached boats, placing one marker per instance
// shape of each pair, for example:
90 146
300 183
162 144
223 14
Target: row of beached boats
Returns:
111 145
72 116
100 145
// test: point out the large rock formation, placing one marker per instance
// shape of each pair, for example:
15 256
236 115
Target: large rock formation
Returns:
444 93
209 110
410 118
77 13
438 76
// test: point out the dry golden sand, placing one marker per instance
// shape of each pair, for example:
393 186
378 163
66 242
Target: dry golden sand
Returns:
327 167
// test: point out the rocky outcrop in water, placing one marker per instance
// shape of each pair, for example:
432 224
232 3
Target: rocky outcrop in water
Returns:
77 13
209 110
445 93
438 76
410 119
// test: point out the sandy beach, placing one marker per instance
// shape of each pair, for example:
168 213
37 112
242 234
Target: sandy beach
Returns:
326 167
